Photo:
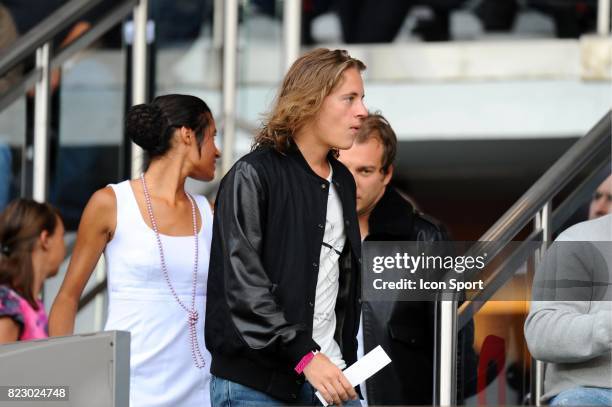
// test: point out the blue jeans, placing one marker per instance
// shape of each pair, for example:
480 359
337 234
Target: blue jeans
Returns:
583 396
225 393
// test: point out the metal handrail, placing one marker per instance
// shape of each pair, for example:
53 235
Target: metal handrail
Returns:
563 212
497 279
45 31
111 18
93 293
596 143
586 149
504 272
591 152
40 38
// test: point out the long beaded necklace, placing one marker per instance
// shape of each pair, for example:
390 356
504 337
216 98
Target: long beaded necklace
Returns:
192 313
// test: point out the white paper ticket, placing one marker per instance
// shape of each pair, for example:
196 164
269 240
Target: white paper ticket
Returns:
363 369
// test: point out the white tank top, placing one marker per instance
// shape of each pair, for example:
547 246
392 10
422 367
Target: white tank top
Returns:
162 369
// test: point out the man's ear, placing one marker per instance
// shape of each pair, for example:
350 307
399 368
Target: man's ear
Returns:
388 175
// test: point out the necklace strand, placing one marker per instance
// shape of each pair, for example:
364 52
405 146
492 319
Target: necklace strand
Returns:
192 313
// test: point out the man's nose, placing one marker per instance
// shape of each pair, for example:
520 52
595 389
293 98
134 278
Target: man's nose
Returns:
362 111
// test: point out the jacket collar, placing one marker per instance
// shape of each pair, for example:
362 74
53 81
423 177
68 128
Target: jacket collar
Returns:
392 215
294 152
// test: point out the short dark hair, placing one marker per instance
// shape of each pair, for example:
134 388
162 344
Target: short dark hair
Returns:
375 125
152 125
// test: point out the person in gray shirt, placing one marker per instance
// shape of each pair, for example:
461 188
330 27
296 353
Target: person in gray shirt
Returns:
569 325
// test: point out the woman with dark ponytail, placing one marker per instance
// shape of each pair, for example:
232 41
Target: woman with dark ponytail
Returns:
156 242
31 250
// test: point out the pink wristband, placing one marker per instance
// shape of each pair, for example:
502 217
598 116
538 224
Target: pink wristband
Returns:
305 361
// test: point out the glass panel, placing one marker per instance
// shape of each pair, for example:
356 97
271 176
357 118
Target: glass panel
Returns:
12 140
88 141
187 60
86 148
497 371
260 66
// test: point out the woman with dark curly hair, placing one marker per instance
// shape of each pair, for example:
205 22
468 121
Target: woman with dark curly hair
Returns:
31 250
156 239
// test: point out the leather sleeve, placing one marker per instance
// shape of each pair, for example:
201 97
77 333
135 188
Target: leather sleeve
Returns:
254 311
429 230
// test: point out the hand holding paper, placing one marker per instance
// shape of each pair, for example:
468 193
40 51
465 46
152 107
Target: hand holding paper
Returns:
326 377
364 368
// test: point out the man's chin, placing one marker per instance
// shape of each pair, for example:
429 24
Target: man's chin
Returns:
345 145
365 210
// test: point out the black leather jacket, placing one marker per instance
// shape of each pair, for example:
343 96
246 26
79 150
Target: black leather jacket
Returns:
268 228
404 329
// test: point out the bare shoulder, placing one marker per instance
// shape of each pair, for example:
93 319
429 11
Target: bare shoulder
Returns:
103 199
101 211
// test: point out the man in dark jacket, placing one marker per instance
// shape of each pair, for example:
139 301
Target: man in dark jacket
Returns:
283 286
404 329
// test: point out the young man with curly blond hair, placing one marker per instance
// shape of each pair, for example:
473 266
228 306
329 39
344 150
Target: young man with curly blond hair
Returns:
283 290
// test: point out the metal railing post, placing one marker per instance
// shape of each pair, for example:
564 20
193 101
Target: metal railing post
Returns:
603 17
542 221
139 74
446 391
217 28
292 22
230 70
42 99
